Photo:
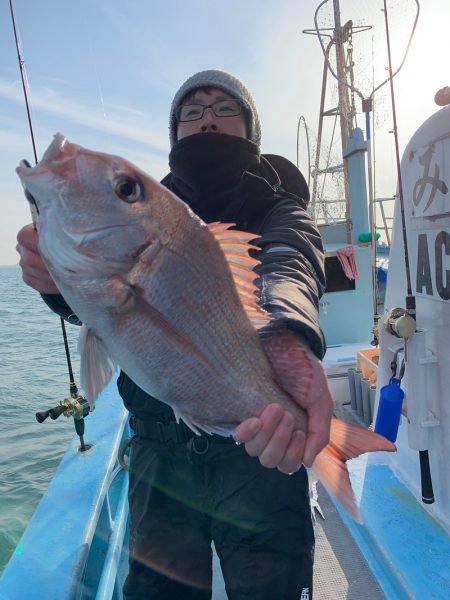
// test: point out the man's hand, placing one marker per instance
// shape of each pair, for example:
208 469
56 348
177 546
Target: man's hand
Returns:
271 436
34 272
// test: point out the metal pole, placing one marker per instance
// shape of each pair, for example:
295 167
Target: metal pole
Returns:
344 106
319 133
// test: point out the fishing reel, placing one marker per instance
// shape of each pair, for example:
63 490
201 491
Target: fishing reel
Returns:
400 323
76 406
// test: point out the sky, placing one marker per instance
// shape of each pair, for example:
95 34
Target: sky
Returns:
104 73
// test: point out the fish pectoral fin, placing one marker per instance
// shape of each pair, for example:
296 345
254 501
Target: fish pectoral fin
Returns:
119 295
346 441
96 366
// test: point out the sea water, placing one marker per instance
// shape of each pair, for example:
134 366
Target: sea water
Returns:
33 377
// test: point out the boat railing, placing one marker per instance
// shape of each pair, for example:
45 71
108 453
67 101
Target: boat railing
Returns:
386 211
108 583
56 551
332 212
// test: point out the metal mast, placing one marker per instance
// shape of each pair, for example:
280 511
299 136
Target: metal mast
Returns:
341 35
338 36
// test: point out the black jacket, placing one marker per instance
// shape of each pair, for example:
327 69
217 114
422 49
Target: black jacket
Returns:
272 203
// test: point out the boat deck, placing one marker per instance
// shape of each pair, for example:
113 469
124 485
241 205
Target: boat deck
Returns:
340 571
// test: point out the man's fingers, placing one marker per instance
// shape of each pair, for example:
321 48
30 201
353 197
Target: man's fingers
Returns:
41 283
272 438
34 272
315 443
318 434
293 457
29 258
28 238
274 451
270 418
246 430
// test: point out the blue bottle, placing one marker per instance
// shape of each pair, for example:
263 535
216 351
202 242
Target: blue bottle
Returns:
390 409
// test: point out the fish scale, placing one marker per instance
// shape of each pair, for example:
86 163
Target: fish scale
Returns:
212 392
228 348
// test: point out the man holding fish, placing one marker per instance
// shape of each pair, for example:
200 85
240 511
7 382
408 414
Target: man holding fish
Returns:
180 320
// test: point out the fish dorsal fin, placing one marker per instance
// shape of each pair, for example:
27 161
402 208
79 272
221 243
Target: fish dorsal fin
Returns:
235 246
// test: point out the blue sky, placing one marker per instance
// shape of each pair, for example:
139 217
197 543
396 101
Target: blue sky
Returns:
104 73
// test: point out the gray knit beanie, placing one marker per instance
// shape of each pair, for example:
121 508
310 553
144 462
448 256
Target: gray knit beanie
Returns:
223 81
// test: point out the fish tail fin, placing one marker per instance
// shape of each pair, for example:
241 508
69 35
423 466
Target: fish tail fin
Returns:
346 441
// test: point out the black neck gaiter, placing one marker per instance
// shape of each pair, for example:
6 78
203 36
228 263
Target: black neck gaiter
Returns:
207 169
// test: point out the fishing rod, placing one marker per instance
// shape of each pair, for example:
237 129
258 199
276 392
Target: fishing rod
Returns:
425 472
76 405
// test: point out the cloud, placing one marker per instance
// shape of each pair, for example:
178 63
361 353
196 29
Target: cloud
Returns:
122 124
11 139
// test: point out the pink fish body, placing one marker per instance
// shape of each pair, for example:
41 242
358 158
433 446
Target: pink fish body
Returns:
171 301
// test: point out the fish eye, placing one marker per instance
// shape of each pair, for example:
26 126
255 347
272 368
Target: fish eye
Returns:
128 189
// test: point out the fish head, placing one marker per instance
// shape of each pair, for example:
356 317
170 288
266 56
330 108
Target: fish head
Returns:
97 212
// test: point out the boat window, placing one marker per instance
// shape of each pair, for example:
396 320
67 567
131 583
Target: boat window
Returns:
337 281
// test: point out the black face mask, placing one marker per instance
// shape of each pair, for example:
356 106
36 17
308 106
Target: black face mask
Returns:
207 169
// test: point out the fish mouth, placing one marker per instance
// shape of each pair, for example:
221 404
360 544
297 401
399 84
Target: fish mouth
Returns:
59 152
58 159
23 166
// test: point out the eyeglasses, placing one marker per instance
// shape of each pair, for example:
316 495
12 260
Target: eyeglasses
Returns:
222 108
